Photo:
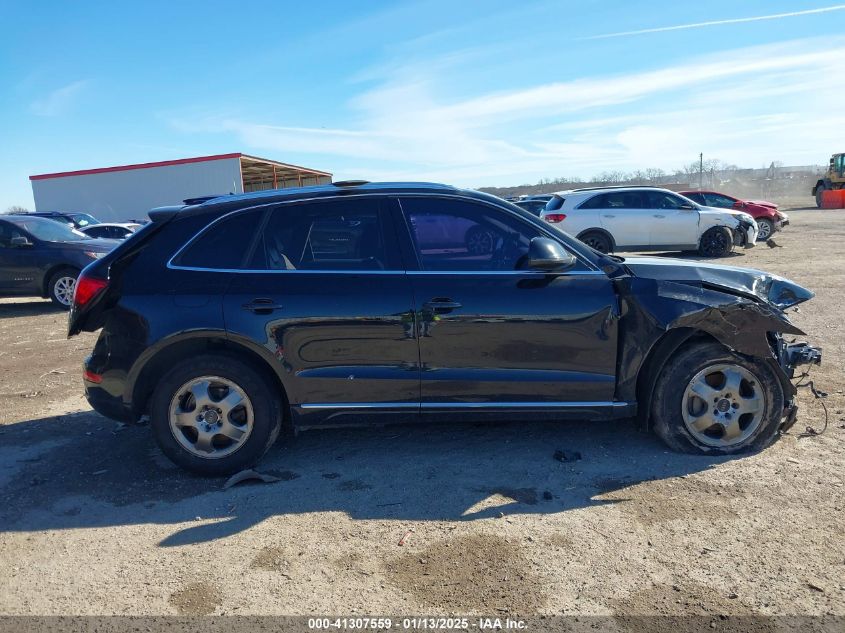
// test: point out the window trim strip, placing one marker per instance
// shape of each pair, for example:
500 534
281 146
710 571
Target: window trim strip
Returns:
592 269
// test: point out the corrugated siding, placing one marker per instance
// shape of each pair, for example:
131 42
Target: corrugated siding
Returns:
122 195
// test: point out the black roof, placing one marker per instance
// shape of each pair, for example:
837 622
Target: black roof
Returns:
231 202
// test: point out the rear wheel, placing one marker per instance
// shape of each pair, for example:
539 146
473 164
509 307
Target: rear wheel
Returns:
819 191
765 229
716 242
61 285
598 241
214 415
710 400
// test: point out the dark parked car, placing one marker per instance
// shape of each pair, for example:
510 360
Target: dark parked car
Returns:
76 220
40 257
332 306
532 206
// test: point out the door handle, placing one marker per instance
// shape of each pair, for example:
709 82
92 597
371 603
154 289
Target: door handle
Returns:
657 215
262 306
441 304
607 215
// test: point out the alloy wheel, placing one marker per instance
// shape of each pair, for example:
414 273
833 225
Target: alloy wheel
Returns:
211 417
63 290
764 230
723 405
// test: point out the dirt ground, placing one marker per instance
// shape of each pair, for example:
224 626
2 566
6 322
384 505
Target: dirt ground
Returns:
93 520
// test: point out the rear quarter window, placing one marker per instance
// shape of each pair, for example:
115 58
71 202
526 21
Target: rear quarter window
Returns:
224 244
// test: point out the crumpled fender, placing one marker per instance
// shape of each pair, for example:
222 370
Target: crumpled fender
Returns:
649 309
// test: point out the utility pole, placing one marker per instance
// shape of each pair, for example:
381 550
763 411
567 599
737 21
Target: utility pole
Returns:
700 171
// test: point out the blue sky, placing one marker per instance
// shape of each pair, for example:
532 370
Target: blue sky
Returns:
469 93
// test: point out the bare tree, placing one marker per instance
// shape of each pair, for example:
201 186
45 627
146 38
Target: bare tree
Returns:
17 209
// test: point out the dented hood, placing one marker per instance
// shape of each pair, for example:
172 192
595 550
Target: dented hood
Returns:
771 289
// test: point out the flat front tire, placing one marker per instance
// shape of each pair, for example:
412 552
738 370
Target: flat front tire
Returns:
215 415
710 400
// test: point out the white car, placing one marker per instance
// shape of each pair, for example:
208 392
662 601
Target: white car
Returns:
111 230
648 219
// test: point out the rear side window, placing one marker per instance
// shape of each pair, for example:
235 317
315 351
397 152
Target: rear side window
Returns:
338 234
615 200
223 245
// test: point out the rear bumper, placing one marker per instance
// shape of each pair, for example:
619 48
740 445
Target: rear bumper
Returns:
105 396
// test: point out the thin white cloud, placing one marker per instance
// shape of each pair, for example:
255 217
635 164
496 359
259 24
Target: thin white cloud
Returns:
697 25
59 101
746 106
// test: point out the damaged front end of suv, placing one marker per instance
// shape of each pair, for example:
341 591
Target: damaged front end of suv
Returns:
665 303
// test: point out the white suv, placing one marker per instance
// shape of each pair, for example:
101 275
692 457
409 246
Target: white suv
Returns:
648 219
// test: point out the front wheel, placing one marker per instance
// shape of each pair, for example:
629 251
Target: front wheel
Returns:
61 285
819 195
716 242
709 400
765 229
214 415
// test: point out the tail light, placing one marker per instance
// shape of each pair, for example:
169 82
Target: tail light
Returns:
86 289
554 218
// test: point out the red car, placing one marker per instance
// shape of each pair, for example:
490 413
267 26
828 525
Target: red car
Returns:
766 214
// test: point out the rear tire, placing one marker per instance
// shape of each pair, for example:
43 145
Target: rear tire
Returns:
820 188
739 409
215 415
716 242
598 241
60 287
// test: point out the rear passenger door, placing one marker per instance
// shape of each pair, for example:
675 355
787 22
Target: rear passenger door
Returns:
622 215
324 290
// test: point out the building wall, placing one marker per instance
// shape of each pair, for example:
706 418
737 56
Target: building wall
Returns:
116 196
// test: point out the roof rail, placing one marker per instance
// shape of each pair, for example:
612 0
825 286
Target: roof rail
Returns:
350 183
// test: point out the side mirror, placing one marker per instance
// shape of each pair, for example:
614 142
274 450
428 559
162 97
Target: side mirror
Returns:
549 256
687 207
20 241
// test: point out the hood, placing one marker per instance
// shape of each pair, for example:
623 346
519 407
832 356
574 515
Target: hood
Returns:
771 289
762 203
724 215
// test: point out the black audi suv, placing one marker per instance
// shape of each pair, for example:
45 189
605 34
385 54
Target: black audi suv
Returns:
358 303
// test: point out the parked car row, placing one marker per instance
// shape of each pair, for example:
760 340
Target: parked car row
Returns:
654 219
42 253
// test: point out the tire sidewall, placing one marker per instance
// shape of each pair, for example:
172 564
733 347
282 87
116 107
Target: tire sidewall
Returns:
672 383
265 405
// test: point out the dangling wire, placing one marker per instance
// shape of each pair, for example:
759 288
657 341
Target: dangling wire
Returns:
810 431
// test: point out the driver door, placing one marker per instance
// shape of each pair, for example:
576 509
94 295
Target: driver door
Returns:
671 226
494 335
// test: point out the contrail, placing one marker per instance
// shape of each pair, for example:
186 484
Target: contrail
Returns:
695 25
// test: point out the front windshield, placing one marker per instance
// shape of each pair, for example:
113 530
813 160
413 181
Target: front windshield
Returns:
50 231
83 219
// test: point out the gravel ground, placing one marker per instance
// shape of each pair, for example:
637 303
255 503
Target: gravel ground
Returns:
93 520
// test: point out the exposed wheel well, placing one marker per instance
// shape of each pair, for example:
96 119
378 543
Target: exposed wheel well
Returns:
666 347
600 231
45 291
163 360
